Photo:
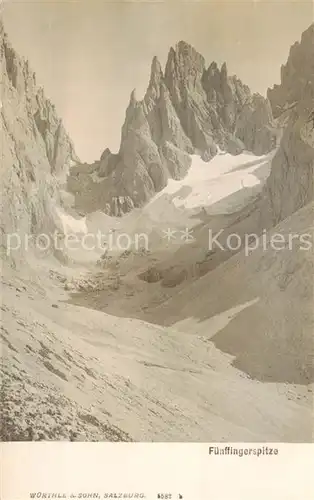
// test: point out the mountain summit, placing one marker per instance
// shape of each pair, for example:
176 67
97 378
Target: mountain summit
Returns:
187 109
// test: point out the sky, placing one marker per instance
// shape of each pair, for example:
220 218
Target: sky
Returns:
90 54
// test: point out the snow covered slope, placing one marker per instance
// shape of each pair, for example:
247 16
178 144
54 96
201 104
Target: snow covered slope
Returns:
70 373
272 339
207 183
224 185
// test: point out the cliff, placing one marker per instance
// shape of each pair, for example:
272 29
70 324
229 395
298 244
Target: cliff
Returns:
290 185
36 151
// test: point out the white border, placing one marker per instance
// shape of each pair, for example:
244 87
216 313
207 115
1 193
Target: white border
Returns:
151 469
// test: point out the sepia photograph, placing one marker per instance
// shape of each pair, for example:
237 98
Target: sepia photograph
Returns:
156 224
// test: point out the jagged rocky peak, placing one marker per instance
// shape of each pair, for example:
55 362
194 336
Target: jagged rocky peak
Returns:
183 62
212 74
155 83
105 154
224 72
156 74
107 163
221 87
20 81
187 109
183 74
133 100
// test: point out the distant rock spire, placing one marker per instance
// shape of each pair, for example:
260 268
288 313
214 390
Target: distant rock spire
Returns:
133 99
156 73
224 71
156 78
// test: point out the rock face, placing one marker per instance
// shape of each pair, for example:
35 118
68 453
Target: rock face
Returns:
290 185
187 109
297 76
36 151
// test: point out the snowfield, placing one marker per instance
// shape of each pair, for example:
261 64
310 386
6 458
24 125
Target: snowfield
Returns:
222 186
209 182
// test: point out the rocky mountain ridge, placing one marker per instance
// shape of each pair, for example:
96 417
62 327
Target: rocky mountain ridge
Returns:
36 151
187 109
290 184
297 76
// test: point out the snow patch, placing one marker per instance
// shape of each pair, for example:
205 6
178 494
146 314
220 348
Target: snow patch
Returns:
230 180
209 182
70 225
